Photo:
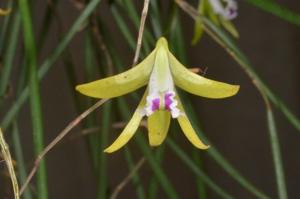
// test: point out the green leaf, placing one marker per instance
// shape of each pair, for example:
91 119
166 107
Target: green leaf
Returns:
277 10
35 97
198 29
277 160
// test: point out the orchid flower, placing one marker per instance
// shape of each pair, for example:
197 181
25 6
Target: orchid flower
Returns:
225 8
161 71
220 13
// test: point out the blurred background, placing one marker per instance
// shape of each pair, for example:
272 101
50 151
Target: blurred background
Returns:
237 127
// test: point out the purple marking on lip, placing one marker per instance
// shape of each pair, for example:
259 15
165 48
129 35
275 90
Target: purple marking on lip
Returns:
232 12
168 101
155 104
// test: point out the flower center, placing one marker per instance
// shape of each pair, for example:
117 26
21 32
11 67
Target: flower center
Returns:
164 101
161 93
226 8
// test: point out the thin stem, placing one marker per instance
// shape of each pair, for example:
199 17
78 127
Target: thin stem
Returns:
136 180
279 170
127 179
58 138
141 31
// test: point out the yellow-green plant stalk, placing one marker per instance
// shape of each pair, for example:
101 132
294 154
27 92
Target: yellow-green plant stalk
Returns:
160 71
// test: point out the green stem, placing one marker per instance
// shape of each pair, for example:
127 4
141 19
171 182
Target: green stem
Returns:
275 146
9 54
35 99
17 145
153 185
102 175
90 74
47 21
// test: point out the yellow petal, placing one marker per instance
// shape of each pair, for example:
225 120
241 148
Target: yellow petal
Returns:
187 128
122 83
158 126
127 133
190 133
197 84
5 12
130 128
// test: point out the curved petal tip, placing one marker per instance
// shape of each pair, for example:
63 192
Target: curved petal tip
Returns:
235 89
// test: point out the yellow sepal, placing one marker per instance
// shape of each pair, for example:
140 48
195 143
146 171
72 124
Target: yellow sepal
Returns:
122 83
197 84
190 133
130 128
158 126
188 129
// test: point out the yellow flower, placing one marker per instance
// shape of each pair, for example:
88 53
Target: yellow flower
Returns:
161 71
4 12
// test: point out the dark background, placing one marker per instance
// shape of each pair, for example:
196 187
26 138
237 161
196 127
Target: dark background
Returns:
236 126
